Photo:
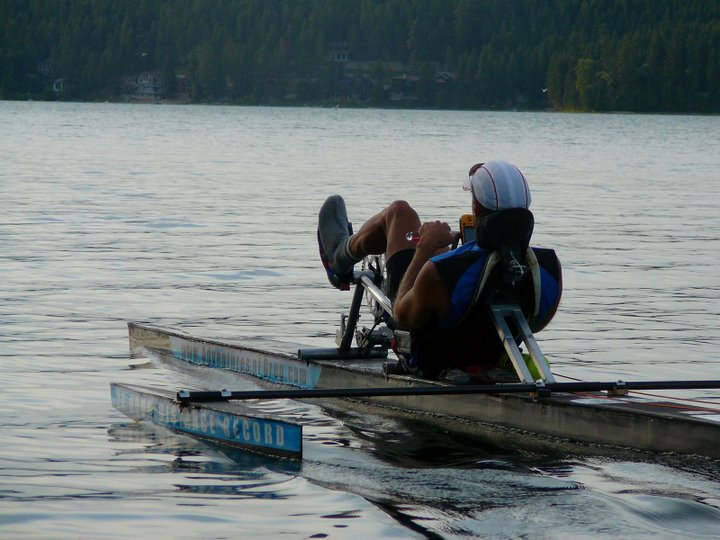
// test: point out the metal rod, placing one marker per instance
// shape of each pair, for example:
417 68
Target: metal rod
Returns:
511 347
352 318
352 353
377 294
505 388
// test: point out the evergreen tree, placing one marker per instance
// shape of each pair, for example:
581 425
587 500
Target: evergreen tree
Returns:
643 55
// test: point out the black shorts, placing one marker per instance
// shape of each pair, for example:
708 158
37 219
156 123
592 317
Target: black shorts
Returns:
395 268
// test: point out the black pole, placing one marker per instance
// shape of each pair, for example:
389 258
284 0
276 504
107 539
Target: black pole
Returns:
506 388
352 318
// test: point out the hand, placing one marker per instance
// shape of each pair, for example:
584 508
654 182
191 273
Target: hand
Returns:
435 235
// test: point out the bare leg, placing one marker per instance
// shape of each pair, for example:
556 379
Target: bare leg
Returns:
386 232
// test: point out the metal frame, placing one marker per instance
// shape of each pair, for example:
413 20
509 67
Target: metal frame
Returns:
363 281
501 315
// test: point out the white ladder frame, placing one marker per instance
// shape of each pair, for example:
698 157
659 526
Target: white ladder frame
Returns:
500 314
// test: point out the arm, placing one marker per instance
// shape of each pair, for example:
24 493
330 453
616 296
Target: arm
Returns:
422 295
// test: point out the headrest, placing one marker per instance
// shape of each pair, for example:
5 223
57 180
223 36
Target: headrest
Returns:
509 228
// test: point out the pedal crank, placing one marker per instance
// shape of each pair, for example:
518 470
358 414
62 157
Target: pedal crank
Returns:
369 338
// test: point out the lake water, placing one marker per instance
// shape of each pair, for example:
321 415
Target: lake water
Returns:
203 218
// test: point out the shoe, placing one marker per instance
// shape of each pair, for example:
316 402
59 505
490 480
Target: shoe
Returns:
333 234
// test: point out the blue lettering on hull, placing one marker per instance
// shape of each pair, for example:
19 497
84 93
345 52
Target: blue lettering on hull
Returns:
239 430
261 365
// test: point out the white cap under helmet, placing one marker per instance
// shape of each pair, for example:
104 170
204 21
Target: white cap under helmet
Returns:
498 185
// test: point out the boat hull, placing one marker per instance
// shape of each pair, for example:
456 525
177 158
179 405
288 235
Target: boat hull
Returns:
631 421
222 423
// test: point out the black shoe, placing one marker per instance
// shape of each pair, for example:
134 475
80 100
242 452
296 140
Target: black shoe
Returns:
334 231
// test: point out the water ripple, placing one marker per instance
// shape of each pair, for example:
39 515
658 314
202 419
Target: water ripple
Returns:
203 218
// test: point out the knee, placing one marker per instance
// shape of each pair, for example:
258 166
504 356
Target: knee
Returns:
399 208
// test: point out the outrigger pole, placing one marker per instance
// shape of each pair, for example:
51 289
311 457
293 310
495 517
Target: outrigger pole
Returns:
538 388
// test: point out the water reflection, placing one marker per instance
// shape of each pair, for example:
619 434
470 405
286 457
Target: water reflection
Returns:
447 485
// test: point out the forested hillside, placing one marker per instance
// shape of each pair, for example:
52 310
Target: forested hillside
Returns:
634 55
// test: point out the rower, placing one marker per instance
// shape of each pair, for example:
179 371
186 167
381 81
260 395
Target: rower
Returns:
511 291
442 298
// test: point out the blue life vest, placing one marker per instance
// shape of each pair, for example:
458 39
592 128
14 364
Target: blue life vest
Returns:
473 277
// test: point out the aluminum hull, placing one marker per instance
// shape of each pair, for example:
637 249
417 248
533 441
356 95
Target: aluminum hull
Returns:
631 421
228 424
